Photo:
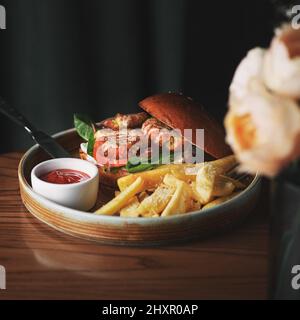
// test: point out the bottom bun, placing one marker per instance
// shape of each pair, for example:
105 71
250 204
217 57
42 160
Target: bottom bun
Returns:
106 178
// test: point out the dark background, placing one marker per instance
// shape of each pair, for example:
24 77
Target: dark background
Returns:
99 57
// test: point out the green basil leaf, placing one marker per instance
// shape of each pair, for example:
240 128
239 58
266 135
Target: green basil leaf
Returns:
141 167
84 126
133 162
136 164
90 145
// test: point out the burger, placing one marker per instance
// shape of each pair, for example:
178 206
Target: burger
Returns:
128 143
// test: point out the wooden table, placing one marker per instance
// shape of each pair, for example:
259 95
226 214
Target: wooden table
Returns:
42 263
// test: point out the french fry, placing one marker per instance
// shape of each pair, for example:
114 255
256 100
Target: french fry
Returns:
153 178
151 215
177 203
143 195
130 210
173 181
219 201
174 189
222 165
117 203
156 202
186 172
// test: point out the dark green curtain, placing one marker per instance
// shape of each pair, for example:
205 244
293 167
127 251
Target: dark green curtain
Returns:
100 57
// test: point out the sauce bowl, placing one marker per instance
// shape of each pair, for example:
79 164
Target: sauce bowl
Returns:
80 195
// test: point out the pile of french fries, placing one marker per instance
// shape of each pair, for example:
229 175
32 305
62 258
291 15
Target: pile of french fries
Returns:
174 189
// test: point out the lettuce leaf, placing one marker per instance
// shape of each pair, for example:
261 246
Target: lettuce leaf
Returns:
85 129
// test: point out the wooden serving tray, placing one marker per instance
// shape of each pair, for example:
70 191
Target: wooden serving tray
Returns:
128 231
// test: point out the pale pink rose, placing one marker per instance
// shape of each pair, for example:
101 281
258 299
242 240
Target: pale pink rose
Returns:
282 62
250 68
263 130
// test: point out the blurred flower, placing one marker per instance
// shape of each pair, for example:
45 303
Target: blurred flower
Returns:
263 129
282 62
249 69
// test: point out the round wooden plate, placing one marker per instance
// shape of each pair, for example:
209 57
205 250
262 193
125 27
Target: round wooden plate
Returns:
128 231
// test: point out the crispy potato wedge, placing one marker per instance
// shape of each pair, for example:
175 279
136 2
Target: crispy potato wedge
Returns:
154 177
238 184
187 195
219 201
205 182
207 179
131 209
117 203
222 187
195 195
154 204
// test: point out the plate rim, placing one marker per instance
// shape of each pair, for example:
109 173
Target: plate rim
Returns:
116 220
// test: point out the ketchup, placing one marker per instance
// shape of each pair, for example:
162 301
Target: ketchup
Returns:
64 176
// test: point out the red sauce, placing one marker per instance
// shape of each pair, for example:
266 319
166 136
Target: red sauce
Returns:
64 176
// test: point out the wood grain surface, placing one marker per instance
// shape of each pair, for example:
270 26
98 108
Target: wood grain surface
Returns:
42 263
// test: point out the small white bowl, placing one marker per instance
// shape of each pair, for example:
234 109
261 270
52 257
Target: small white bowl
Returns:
81 195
